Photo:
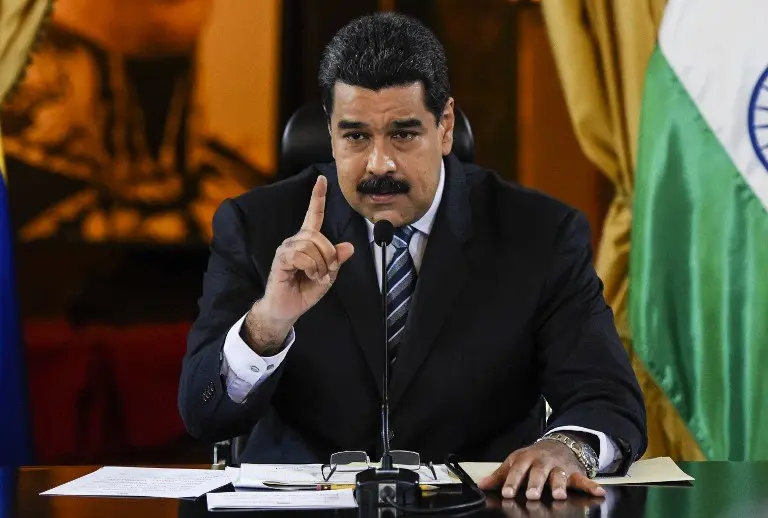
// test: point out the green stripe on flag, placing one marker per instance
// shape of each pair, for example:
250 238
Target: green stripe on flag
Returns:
699 274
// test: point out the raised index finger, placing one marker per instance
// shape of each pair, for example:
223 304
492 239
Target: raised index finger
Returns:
316 211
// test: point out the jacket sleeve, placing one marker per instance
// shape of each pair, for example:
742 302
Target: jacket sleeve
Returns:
585 373
231 284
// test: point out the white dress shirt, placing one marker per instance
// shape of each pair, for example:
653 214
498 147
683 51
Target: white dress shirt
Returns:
244 370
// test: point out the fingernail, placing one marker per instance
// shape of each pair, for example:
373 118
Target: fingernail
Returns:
559 493
508 492
532 493
327 279
600 491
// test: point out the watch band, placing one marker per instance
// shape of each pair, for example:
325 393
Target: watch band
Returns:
583 451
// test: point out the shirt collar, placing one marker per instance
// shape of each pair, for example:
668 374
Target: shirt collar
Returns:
425 223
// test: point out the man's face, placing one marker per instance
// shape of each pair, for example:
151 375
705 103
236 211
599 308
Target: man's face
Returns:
388 149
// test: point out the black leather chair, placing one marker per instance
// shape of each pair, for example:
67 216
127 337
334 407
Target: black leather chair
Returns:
306 141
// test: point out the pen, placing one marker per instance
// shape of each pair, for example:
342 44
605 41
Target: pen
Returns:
326 487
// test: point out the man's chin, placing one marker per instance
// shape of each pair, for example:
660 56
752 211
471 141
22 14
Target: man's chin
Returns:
397 208
391 214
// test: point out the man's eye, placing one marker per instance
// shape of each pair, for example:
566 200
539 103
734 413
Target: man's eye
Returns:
355 136
404 135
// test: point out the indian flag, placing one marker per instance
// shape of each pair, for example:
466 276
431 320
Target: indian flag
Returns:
699 260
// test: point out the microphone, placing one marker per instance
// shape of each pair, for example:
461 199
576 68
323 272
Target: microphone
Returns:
383 232
377 488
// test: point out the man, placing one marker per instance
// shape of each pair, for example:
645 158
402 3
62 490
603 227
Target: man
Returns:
494 301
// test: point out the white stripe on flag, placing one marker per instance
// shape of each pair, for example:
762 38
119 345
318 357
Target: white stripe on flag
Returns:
719 51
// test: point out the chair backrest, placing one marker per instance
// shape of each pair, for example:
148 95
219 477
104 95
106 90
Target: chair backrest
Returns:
305 140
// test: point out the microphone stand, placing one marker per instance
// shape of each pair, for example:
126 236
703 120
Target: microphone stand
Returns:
386 434
375 488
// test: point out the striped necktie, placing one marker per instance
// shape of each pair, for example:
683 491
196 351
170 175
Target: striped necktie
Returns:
401 281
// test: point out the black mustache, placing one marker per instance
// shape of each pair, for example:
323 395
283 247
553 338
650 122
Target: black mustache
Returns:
383 185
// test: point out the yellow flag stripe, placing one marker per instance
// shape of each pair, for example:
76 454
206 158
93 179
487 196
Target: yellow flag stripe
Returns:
2 159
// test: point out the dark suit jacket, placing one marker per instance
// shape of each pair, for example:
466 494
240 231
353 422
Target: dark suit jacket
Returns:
507 308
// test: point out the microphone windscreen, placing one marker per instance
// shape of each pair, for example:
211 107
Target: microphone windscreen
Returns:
383 231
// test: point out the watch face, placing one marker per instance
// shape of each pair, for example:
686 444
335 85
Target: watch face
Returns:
590 460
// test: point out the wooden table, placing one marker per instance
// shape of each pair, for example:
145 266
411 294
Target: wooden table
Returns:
722 489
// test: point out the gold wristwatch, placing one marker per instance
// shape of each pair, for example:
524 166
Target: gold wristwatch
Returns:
583 451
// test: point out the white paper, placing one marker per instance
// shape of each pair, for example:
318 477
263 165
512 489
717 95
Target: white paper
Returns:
650 471
332 499
144 482
273 475
232 473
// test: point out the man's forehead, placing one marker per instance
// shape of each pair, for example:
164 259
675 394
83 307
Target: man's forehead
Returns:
384 106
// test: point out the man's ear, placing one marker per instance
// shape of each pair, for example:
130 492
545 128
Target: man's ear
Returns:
330 134
330 130
446 125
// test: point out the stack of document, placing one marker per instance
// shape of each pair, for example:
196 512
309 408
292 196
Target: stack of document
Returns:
144 482
299 484
332 499
310 476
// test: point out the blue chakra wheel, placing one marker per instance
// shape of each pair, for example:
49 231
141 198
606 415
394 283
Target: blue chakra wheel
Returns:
758 119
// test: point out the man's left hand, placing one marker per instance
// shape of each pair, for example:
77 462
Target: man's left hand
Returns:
544 462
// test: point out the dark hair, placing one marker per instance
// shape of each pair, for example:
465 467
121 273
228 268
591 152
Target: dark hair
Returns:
382 50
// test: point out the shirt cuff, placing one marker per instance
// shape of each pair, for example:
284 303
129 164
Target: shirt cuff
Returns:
242 368
609 456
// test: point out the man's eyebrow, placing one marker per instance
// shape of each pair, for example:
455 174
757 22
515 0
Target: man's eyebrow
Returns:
406 123
347 124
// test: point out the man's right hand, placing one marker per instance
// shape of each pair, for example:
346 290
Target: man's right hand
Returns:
303 270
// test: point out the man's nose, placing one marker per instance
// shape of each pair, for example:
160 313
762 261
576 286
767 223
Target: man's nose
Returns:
380 161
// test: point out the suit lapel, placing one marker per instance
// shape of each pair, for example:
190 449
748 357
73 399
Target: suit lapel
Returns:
356 285
442 276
